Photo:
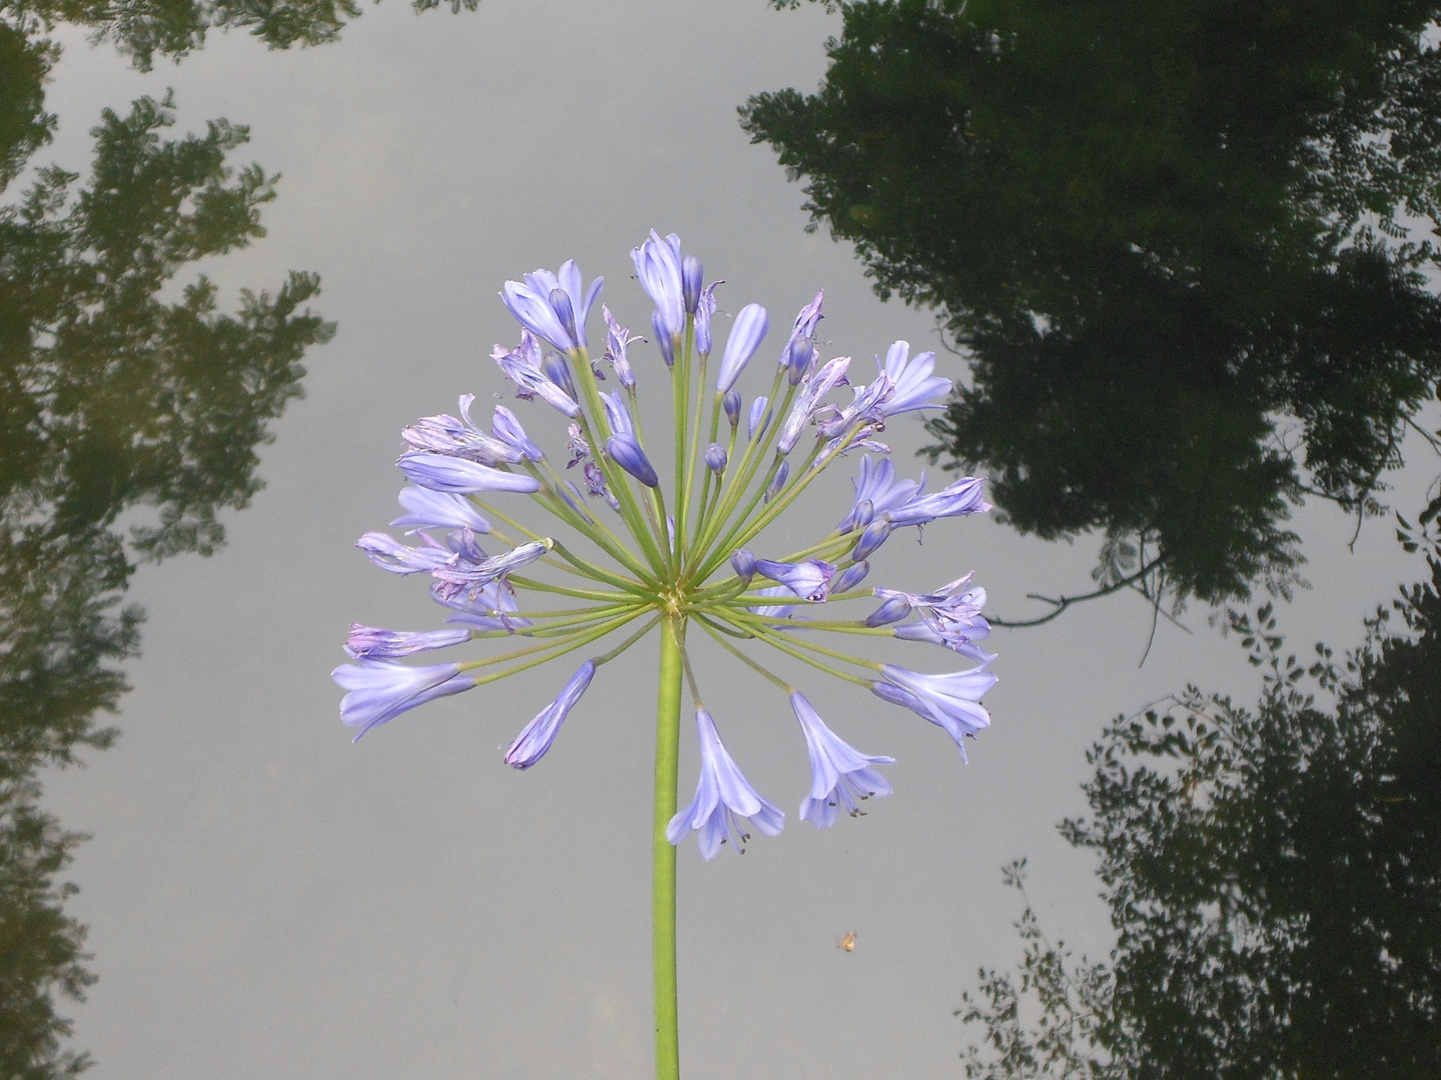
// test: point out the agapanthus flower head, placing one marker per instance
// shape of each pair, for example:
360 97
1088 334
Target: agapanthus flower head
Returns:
723 799
841 776
677 555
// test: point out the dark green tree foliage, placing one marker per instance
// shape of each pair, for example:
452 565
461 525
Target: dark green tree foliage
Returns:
143 28
1274 875
1170 235
113 401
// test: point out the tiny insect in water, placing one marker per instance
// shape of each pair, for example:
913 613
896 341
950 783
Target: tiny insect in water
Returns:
848 942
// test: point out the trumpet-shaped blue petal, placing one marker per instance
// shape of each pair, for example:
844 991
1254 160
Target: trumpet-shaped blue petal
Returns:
380 690
426 509
440 472
877 485
915 386
949 617
841 776
810 580
658 266
949 701
745 338
723 797
962 497
759 419
505 427
537 308
535 738
810 401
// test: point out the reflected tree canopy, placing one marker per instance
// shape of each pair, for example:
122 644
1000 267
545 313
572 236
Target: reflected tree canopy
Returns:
114 400
1183 243
1274 875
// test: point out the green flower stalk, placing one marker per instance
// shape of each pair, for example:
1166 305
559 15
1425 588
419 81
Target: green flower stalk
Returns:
674 557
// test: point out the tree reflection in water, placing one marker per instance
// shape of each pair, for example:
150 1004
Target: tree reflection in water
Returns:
1184 246
111 401
1178 240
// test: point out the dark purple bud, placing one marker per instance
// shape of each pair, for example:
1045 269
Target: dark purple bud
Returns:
744 563
874 536
560 301
801 351
731 403
861 515
626 452
851 577
690 277
558 372
662 339
779 482
715 458
893 610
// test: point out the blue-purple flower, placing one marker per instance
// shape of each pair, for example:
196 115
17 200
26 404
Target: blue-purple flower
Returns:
506 428
373 643
746 335
552 306
841 776
426 509
491 607
962 497
390 554
723 798
535 738
525 366
441 472
658 266
617 340
915 386
810 580
467 573
949 701
379 690
626 452
444 434
878 485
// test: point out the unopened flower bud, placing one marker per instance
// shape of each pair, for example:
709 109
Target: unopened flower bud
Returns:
759 418
851 577
861 516
626 453
874 536
690 276
779 481
715 458
744 563
731 403
893 610
558 372
560 301
801 351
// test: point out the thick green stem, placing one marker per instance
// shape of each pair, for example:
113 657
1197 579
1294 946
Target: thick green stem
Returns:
667 747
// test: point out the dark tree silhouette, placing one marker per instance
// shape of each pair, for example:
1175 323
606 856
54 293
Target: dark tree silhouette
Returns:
1274 876
1182 242
112 401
